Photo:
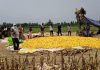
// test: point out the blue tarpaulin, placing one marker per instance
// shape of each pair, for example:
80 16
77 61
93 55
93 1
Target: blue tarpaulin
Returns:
94 22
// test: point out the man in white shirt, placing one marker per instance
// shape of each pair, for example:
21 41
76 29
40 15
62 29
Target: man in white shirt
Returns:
15 37
42 29
51 29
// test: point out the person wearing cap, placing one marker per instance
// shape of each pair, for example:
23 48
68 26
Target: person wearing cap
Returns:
15 37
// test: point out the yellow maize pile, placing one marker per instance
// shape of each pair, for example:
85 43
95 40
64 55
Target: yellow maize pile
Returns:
60 42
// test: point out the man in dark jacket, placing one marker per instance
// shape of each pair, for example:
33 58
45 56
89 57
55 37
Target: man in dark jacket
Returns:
59 29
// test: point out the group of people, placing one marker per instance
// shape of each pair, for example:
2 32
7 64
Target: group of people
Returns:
17 33
86 32
4 32
51 28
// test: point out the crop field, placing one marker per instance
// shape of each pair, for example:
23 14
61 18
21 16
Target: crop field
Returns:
68 59
36 29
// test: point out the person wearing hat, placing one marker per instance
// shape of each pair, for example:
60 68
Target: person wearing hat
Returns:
15 37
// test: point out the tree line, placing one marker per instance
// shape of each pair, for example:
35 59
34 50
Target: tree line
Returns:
5 24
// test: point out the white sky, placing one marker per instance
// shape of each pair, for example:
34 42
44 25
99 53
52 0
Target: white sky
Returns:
42 10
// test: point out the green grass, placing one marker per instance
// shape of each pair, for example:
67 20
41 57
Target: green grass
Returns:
36 29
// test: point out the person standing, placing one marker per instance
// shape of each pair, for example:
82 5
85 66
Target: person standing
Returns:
59 29
8 31
21 30
98 32
0 33
30 33
51 29
69 29
87 29
42 29
3 32
15 37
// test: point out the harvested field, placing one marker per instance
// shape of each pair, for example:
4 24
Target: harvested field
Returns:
68 59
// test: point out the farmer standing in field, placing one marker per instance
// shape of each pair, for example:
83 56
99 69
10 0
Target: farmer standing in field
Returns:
69 29
15 37
8 31
21 30
42 29
30 33
51 29
98 32
59 29
0 33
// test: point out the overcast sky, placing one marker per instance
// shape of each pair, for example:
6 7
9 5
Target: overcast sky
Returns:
42 10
